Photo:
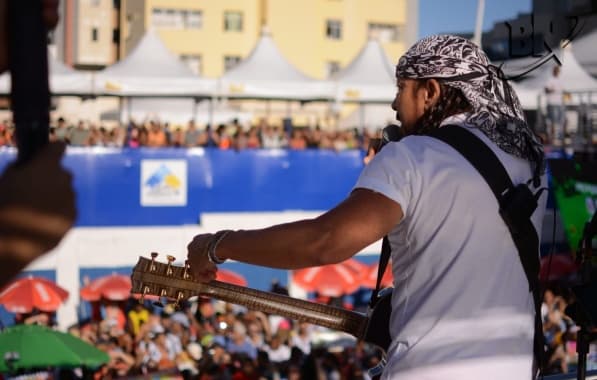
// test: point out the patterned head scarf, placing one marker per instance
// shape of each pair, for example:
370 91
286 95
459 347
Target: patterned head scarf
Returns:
494 107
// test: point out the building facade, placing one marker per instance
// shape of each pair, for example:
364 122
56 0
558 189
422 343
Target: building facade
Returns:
318 36
88 33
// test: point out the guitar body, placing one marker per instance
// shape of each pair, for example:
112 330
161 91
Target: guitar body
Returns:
377 331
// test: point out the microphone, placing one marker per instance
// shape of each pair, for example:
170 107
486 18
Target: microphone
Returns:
392 132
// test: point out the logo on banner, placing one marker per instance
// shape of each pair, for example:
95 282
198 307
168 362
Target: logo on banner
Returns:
163 183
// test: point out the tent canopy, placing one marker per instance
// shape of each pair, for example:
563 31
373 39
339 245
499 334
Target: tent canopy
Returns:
152 70
369 78
177 111
266 74
64 80
573 76
584 51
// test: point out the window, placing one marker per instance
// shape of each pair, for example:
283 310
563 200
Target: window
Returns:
385 32
332 67
94 34
233 21
230 61
116 35
194 20
167 18
193 62
333 29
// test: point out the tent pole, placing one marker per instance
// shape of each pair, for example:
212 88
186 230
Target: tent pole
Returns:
195 106
129 106
211 111
362 115
120 110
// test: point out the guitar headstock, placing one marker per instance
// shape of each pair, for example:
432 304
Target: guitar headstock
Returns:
164 280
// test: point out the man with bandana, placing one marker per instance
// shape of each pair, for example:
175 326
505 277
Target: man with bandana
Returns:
461 307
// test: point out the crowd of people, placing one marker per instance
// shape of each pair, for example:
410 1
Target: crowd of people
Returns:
156 134
209 339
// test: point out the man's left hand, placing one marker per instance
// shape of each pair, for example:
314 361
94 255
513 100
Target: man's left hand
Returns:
202 269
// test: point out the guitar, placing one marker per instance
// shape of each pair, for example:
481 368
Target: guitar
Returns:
150 277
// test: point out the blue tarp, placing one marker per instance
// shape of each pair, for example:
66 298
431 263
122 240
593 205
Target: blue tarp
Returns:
108 182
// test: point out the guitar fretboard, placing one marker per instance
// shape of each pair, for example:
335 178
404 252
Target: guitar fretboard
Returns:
156 281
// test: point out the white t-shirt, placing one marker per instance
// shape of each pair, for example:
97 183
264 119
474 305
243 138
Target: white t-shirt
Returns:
555 96
461 308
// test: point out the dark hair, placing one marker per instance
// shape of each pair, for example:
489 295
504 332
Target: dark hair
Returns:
450 102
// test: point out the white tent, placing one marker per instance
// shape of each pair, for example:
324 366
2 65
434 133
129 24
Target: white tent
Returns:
573 76
63 80
177 111
370 117
369 78
584 51
152 70
266 74
528 97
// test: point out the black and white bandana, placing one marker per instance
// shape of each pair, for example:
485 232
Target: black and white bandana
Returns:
459 63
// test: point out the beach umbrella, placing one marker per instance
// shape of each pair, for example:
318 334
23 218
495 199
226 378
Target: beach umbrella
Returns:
558 266
114 287
28 293
329 280
35 346
230 277
370 278
355 264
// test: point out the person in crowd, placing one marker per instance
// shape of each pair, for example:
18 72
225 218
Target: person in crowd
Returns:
156 135
458 278
62 130
253 141
556 117
239 342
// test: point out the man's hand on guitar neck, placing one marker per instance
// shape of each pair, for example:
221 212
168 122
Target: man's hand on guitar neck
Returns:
202 268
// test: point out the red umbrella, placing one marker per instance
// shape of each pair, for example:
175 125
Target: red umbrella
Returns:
26 294
356 265
370 278
562 265
230 277
329 280
114 287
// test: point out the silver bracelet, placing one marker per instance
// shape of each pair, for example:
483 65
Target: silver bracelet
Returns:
213 244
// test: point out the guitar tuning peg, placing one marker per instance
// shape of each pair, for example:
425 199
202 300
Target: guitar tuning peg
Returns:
186 274
179 297
159 303
152 268
170 261
142 298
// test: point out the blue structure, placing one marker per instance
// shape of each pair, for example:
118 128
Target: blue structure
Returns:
108 182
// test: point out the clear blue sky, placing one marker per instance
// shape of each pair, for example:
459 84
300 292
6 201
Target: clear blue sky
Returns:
445 16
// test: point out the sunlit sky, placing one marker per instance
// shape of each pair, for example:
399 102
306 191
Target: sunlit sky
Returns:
445 16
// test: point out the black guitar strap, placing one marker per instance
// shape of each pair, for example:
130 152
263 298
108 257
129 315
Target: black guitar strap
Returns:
384 258
523 233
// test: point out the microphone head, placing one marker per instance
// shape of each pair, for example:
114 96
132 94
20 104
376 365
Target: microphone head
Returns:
391 132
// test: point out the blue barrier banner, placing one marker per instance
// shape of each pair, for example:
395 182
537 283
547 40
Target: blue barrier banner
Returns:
173 186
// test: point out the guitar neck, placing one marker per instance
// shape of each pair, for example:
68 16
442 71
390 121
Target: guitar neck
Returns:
297 309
